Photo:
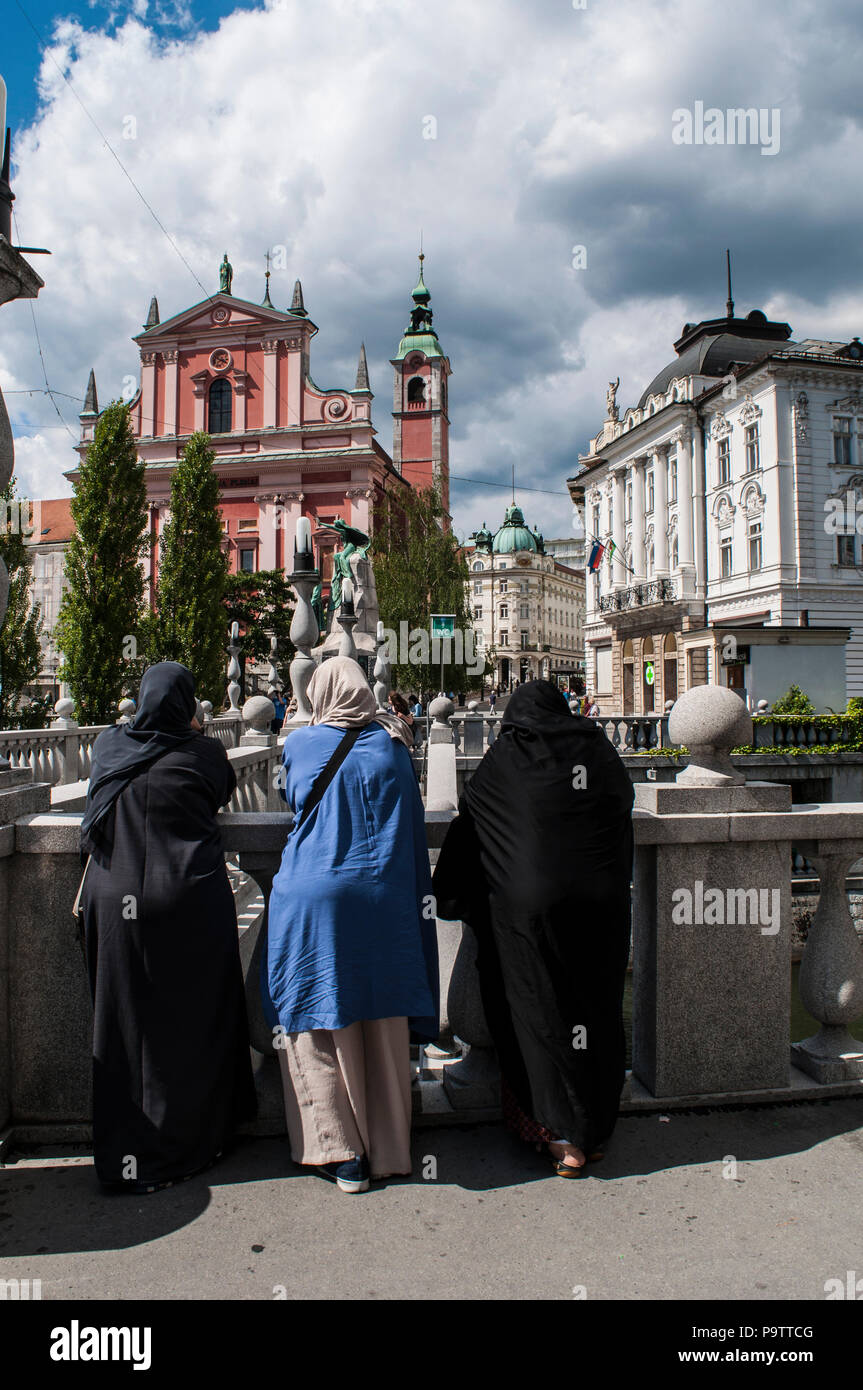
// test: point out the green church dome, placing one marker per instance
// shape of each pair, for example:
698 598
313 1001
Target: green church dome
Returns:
514 534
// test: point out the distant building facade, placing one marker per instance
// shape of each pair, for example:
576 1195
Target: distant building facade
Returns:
716 490
53 530
527 607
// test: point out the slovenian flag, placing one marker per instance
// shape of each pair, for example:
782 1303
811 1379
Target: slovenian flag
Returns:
596 555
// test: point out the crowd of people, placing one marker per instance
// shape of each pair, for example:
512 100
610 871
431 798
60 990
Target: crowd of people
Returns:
537 862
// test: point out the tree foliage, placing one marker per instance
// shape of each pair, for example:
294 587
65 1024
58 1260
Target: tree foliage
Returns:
419 571
263 604
99 621
793 702
22 629
189 625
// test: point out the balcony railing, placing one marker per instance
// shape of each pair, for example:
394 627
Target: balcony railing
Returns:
639 596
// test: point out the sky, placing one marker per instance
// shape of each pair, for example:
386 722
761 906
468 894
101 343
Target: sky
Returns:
149 136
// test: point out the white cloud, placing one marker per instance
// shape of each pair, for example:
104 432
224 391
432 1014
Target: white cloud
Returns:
302 125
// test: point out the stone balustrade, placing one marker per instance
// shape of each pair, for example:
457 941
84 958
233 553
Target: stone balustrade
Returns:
711 961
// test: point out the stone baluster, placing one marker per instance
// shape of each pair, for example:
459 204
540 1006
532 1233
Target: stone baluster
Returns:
304 635
831 973
234 669
274 680
347 621
474 1082
382 669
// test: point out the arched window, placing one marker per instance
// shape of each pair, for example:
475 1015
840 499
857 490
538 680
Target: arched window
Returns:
416 390
219 413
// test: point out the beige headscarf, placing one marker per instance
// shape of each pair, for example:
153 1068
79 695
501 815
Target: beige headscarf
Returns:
340 694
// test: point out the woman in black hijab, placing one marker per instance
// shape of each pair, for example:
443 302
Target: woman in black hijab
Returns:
539 862
172 1074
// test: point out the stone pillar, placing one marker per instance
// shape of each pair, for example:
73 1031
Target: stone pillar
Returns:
712 916
441 780
638 520
660 509
619 535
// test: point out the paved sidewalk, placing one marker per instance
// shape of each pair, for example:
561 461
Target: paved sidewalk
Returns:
657 1219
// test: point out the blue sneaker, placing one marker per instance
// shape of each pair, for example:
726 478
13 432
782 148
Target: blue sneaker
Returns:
351 1175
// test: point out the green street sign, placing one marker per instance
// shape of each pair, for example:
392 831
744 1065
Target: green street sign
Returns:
442 624
649 674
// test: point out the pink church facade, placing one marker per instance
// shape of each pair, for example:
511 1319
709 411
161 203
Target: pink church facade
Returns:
284 448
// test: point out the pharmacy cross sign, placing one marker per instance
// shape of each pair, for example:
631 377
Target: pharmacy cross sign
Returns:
649 673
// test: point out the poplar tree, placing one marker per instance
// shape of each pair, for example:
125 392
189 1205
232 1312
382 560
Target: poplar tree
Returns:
190 624
98 624
20 634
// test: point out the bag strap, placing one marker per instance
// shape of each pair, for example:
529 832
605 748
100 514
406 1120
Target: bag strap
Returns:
328 772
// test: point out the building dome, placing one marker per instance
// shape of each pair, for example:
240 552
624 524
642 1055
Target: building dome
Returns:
483 538
712 347
514 534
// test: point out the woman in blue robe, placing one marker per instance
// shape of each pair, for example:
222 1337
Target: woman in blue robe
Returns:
352 947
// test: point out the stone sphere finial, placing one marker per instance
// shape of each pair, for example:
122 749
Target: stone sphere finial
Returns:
441 708
763 707
126 710
710 720
259 713
473 706
65 714
207 707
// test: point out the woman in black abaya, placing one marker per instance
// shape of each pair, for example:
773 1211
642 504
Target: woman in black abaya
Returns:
172 1074
539 862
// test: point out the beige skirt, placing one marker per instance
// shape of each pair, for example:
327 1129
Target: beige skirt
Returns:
348 1092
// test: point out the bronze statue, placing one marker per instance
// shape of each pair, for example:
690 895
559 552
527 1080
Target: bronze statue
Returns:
226 275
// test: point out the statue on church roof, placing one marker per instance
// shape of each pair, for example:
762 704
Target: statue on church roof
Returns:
226 275
611 400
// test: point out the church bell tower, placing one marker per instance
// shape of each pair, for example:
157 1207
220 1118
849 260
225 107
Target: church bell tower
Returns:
420 419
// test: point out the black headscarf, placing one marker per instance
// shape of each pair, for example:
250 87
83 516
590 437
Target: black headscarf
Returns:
166 704
523 799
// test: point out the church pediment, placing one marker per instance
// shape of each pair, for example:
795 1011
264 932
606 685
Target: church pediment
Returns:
221 311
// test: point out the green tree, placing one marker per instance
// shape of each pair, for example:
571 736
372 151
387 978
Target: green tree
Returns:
193 573
419 571
20 645
263 604
793 702
98 628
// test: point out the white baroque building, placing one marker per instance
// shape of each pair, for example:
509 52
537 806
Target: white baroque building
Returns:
718 489
527 607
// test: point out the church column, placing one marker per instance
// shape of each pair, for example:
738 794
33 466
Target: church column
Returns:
200 383
684 494
268 519
240 382
171 358
619 535
361 500
294 373
148 394
637 519
271 381
660 509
